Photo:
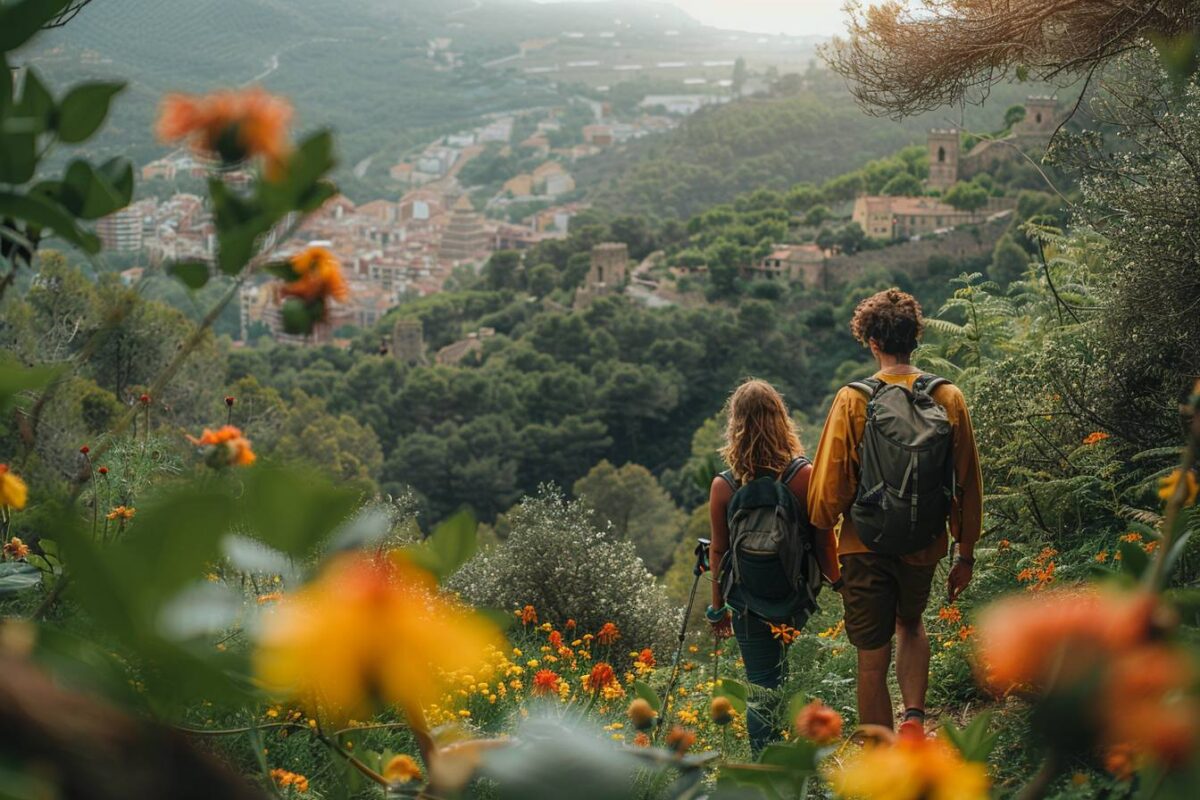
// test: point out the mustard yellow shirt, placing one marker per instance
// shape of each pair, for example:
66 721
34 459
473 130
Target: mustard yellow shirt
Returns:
834 481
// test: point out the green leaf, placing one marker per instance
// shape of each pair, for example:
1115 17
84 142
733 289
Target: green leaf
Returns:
15 379
1133 559
87 193
20 21
6 83
797 757
17 576
449 547
735 692
294 511
282 270
193 274
644 691
18 157
1179 55
299 317
974 741
84 109
46 214
36 104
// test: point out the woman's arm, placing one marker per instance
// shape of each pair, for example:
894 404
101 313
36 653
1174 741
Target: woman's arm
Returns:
826 541
718 504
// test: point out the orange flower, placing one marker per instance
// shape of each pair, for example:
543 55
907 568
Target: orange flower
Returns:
721 711
13 492
785 633
1041 574
1102 557
370 630
910 767
556 640
641 714
123 513
1003 544
1095 438
270 597
950 614
680 740
1132 536
318 276
819 723
608 634
1144 709
641 740
528 615
233 125
1120 762
646 657
601 677
546 682
570 625
229 447
16 549
1167 486
283 779
402 769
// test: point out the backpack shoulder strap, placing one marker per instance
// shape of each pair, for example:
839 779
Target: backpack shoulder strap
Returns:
867 386
798 463
928 384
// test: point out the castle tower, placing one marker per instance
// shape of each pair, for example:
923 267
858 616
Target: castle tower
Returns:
1041 117
610 267
408 341
943 158
465 238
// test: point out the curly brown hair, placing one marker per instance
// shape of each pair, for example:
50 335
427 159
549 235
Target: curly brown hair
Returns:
892 318
760 436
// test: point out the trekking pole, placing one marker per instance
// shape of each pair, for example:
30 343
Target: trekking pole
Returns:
701 566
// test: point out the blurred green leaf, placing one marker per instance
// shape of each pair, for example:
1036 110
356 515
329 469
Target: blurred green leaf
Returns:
36 104
1133 559
15 378
45 214
21 20
18 157
84 109
798 757
6 85
368 528
202 609
17 576
1179 55
732 690
974 741
192 274
644 691
449 547
299 317
250 555
88 194
293 511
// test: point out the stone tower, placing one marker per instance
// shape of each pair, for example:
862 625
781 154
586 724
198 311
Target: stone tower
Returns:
609 270
408 341
465 238
943 158
1041 117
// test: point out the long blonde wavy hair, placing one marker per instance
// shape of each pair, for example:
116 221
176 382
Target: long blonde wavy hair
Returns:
760 436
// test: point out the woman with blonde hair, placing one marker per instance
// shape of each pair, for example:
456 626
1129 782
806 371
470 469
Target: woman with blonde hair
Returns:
767 563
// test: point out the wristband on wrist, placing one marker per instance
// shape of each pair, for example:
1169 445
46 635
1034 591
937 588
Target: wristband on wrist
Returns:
970 562
715 615
838 584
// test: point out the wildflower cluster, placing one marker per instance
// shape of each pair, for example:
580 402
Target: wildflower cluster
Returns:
1041 573
910 767
1105 651
226 447
230 125
284 779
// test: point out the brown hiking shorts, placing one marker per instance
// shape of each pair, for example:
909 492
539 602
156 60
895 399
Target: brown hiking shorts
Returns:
878 590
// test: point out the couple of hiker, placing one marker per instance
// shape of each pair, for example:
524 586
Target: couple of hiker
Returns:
897 465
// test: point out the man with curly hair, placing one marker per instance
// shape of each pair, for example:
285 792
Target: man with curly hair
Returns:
884 594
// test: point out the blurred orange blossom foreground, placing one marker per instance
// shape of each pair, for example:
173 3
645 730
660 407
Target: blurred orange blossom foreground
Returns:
318 276
369 630
914 768
234 125
1112 640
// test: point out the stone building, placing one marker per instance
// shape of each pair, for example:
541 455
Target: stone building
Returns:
943 158
948 164
465 237
408 341
607 275
454 354
790 262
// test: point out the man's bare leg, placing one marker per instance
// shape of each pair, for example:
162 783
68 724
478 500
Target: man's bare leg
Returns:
912 662
874 700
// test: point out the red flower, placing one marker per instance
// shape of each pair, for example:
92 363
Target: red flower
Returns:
646 657
85 449
546 681
144 399
570 625
103 470
528 615
229 401
556 640
602 676
609 633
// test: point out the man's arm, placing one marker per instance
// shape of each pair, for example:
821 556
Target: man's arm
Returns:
966 519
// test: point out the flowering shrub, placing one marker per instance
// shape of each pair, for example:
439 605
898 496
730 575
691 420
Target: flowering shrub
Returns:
556 560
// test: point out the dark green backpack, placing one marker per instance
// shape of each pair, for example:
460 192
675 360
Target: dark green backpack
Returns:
771 567
906 467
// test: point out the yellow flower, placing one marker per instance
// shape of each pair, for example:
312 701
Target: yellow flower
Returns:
369 630
1167 487
402 769
13 491
911 769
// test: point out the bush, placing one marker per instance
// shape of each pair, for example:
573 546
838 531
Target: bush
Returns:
558 561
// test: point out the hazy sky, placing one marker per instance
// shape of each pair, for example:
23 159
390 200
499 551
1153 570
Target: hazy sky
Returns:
764 16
